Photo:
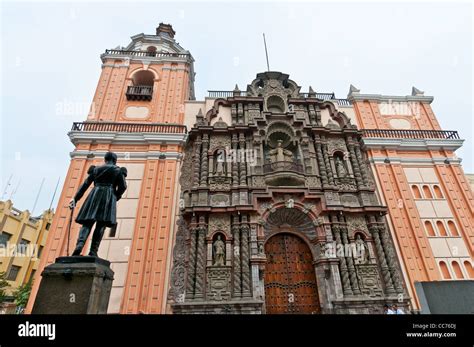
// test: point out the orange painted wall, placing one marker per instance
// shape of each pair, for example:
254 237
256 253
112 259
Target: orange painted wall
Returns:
418 260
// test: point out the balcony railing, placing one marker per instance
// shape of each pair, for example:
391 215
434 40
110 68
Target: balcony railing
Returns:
410 134
324 96
224 93
282 166
139 93
129 127
146 53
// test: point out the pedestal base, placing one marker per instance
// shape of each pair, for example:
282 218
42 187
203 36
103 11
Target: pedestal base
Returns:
75 285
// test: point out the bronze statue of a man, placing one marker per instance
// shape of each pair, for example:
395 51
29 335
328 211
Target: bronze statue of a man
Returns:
100 207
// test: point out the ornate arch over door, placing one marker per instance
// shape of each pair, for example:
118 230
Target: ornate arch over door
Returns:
290 281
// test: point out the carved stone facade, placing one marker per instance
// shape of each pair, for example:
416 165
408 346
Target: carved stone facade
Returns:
277 169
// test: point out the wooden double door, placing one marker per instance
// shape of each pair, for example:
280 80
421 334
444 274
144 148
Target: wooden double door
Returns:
290 281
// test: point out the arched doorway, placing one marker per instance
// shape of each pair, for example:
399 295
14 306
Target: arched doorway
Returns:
290 281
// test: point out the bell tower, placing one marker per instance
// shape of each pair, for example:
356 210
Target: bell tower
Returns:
137 112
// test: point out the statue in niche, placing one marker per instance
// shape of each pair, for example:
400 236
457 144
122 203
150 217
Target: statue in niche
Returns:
218 248
280 154
340 167
261 251
362 251
219 163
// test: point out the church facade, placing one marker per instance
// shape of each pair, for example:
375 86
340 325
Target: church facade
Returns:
267 199
279 212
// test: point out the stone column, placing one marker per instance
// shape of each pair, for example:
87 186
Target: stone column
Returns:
242 162
321 164
191 268
350 261
235 169
236 258
346 284
374 230
390 255
327 163
201 259
245 230
197 161
204 160
362 165
354 162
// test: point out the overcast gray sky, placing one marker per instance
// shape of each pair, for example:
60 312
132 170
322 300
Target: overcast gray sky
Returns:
50 59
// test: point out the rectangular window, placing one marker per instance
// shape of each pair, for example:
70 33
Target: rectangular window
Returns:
23 246
4 238
40 250
13 274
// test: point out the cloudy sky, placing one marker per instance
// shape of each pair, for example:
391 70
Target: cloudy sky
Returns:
50 63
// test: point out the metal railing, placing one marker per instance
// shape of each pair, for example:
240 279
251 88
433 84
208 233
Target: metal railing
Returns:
129 127
146 53
139 92
323 96
410 134
224 93
282 166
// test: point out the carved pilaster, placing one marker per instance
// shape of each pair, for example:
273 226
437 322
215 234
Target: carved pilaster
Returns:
350 261
245 231
236 258
374 230
242 162
327 163
346 284
191 278
362 165
390 255
354 163
197 161
204 160
321 164
200 259
235 169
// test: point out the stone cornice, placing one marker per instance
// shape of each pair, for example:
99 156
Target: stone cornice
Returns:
415 161
124 156
126 138
412 144
389 98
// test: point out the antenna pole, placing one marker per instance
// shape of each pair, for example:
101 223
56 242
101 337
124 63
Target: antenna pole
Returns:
54 194
16 189
37 196
266 51
6 186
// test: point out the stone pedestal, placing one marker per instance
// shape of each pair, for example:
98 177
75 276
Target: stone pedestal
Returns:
75 285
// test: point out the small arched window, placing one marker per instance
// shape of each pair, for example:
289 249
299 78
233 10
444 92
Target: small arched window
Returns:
469 269
427 192
437 191
452 228
441 228
143 78
457 270
151 51
416 192
429 228
444 270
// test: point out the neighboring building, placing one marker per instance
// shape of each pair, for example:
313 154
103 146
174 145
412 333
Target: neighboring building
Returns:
137 113
236 203
22 240
470 178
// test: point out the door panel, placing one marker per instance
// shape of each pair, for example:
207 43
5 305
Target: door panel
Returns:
290 282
